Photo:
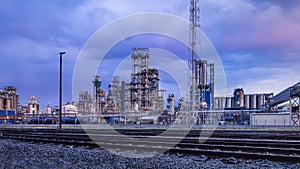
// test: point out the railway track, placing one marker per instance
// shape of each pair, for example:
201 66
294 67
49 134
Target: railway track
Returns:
276 146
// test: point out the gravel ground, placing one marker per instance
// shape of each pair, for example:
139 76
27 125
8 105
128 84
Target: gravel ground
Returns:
17 154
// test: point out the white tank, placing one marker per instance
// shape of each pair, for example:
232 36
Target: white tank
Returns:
70 110
247 101
228 102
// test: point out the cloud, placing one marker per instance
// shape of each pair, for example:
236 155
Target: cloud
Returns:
257 42
242 25
287 6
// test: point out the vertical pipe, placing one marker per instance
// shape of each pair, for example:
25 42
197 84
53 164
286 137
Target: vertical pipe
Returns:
123 96
212 84
1 103
204 72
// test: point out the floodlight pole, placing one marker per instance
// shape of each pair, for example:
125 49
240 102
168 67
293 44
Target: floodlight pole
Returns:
60 89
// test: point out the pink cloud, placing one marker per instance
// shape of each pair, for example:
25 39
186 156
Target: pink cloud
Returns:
245 26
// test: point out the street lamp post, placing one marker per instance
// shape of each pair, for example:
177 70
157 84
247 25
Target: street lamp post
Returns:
60 89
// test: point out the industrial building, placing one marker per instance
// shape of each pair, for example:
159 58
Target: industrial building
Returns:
273 119
8 98
31 114
238 108
8 104
29 110
261 109
33 106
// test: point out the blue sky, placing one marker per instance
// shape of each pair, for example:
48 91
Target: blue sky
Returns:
257 41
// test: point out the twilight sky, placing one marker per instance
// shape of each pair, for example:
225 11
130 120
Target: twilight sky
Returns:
258 41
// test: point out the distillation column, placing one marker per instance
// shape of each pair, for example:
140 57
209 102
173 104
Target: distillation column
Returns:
140 60
144 87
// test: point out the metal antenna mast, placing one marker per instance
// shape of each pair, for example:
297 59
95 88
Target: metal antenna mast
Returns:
194 41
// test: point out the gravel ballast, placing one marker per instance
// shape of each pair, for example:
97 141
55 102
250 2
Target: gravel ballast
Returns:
18 154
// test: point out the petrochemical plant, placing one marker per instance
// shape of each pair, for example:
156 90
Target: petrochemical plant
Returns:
141 100
140 96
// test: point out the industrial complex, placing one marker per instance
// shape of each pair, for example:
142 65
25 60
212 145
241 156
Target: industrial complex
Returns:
141 100
149 90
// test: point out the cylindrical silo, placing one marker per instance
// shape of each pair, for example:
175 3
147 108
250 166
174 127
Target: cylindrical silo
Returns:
253 101
8 104
260 101
247 101
232 102
222 102
217 103
228 102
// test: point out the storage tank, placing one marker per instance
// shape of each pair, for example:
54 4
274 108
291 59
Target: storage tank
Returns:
8 104
12 93
217 103
247 101
260 101
223 102
232 102
228 102
253 101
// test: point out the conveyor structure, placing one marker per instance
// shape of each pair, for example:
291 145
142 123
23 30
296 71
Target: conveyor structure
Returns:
289 93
